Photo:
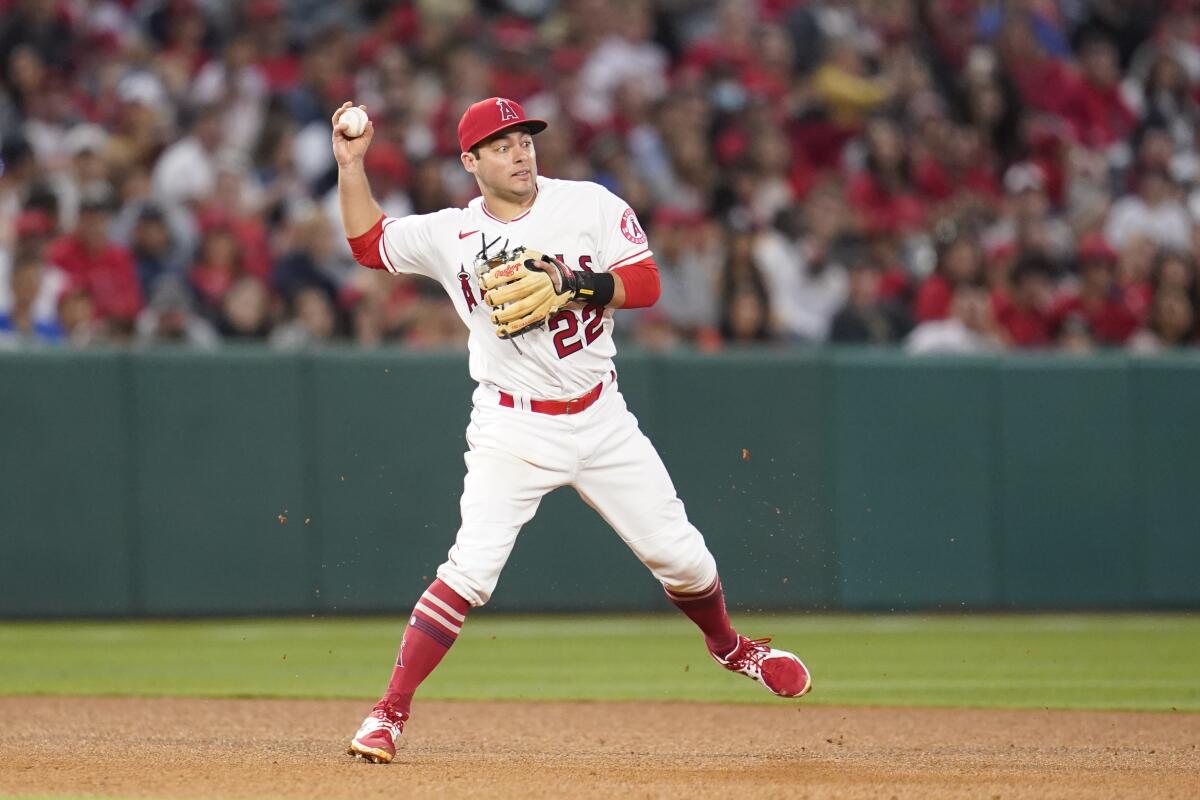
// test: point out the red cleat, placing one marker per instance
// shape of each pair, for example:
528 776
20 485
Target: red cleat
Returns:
378 735
778 670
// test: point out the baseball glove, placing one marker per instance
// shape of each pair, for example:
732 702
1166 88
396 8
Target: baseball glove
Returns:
526 290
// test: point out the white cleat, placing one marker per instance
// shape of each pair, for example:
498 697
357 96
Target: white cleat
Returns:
378 736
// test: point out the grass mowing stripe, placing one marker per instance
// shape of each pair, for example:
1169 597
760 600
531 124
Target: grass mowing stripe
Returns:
1058 661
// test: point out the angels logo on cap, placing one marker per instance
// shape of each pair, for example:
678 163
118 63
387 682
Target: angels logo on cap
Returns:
491 116
506 110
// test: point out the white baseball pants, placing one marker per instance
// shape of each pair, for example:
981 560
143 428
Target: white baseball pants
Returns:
517 456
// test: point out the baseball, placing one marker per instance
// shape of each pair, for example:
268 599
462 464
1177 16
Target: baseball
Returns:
355 120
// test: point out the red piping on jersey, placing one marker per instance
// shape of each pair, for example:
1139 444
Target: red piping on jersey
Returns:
629 258
641 283
383 246
366 246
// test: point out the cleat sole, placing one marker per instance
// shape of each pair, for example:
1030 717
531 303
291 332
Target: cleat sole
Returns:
371 754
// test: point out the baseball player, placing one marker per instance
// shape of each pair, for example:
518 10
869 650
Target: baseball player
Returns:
535 268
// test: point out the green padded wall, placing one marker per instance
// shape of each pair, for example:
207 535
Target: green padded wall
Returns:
745 440
1069 489
219 456
913 457
68 538
1166 396
154 482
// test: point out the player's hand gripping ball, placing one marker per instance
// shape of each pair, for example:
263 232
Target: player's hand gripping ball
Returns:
526 290
354 122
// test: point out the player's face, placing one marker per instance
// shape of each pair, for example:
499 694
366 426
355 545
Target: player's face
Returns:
506 166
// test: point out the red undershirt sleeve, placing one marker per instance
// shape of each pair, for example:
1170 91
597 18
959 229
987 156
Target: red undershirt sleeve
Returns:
366 247
640 280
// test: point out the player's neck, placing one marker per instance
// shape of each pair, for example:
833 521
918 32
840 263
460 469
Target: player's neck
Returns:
508 209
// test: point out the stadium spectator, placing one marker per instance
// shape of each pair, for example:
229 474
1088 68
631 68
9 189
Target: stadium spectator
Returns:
970 328
156 251
314 320
745 317
91 258
217 267
1027 221
959 261
245 310
803 273
1023 310
21 319
170 319
309 262
882 193
1154 212
867 317
689 271
1098 299
77 316
1171 324
186 172
1093 106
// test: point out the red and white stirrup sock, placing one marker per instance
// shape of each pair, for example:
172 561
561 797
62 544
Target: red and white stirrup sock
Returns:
707 610
435 623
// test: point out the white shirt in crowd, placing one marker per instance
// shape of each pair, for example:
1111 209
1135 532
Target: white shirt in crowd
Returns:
1167 224
947 336
803 303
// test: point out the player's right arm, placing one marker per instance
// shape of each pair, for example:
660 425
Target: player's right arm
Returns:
377 240
360 212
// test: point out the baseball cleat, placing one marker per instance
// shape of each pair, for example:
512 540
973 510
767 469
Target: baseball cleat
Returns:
378 735
778 670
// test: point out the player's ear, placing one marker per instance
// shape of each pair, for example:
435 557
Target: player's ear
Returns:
468 162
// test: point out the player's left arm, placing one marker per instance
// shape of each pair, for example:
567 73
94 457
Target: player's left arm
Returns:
635 285
627 286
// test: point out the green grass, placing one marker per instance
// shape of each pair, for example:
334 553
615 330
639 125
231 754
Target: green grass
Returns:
1057 661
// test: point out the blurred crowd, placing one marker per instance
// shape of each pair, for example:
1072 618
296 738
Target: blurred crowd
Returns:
941 175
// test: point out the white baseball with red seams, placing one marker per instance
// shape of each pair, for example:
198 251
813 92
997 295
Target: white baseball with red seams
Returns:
517 455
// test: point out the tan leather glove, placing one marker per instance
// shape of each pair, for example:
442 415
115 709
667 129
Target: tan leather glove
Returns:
525 291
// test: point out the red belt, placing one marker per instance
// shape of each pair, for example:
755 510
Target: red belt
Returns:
555 407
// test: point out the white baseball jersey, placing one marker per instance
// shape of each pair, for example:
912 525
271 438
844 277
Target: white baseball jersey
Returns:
582 223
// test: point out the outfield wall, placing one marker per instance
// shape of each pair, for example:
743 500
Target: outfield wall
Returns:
154 483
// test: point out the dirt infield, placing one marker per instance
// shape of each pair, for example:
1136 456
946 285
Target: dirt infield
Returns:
293 749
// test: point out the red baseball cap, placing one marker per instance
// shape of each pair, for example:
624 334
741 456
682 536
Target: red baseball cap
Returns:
491 116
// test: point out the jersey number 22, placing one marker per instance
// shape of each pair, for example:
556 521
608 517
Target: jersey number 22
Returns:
565 327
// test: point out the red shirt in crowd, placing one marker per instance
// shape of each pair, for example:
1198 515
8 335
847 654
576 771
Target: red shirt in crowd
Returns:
1111 320
1025 327
933 298
936 182
1138 298
1098 114
1043 83
109 274
883 209
212 283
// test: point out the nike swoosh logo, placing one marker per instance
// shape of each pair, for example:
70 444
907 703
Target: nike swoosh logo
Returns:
462 235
